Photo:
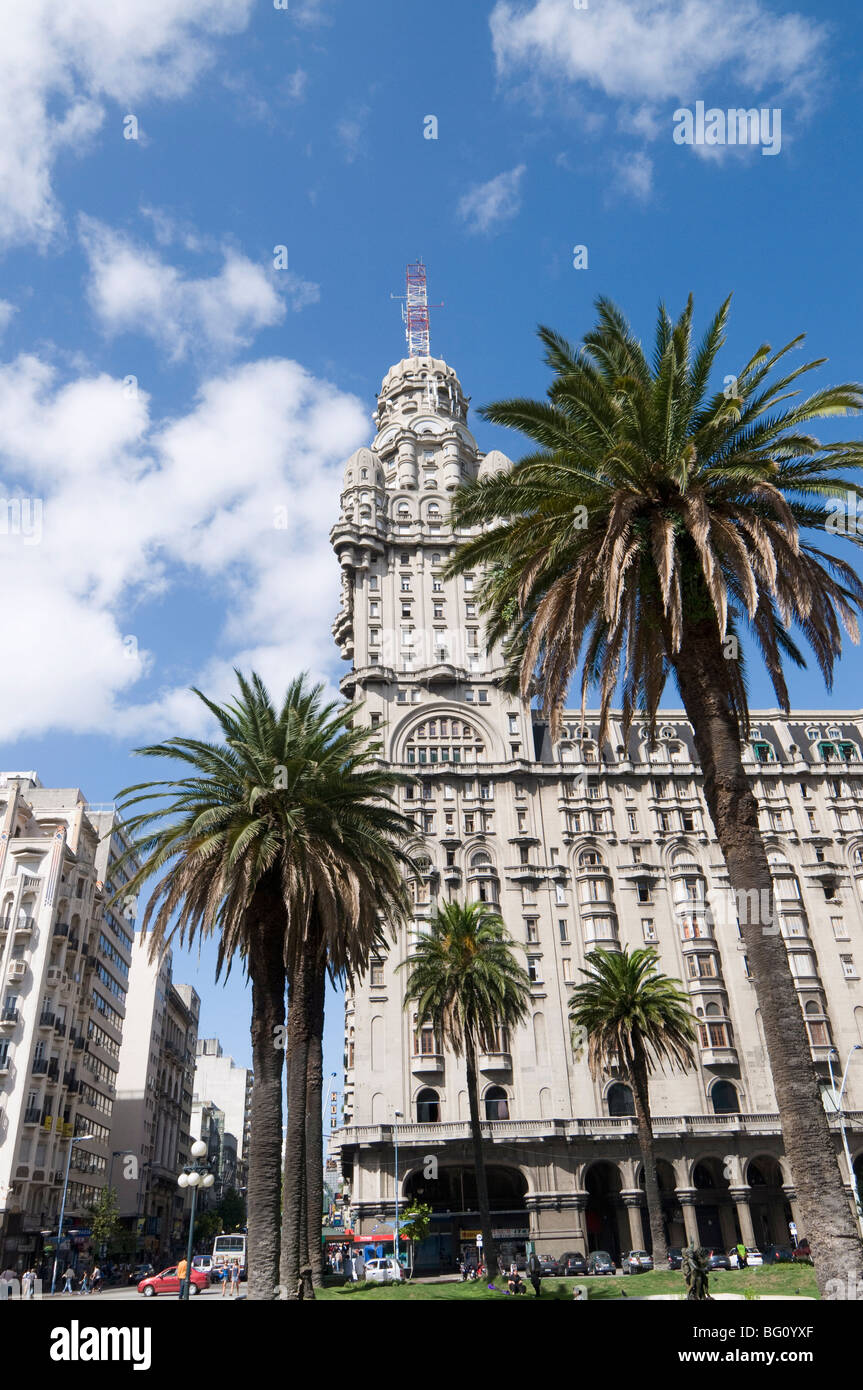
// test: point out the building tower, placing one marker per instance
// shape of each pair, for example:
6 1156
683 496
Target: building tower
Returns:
581 844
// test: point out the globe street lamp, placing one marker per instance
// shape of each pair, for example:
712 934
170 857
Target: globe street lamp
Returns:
194 1175
81 1139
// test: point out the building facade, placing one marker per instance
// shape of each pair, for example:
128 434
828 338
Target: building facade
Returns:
64 967
222 1082
579 845
152 1133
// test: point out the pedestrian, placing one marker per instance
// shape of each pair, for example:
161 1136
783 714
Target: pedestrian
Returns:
361 1267
235 1280
9 1278
69 1279
182 1269
28 1283
96 1279
741 1256
534 1272
225 1279
85 1284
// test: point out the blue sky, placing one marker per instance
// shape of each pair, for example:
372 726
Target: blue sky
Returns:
164 389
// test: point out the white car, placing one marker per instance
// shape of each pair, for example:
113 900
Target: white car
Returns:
384 1271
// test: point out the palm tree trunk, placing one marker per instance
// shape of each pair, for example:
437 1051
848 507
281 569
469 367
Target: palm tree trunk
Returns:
267 974
314 1185
641 1097
809 1146
294 1221
489 1249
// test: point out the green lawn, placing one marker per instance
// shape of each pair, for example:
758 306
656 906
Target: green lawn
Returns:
774 1279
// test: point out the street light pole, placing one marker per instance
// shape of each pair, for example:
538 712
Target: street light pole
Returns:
82 1138
398 1116
194 1175
857 1047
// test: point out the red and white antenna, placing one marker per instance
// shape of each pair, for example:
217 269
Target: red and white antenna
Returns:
415 310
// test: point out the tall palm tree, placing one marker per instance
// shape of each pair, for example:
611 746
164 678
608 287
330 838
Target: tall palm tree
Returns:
635 1018
251 846
464 979
653 523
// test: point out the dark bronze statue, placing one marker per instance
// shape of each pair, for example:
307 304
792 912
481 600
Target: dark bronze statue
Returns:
696 1270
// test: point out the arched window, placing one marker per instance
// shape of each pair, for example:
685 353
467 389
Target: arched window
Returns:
723 1098
620 1101
428 1107
589 859
496 1104
481 860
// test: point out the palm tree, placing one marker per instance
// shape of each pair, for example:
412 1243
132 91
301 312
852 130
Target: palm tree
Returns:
652 524
251 845
464 979
634 1018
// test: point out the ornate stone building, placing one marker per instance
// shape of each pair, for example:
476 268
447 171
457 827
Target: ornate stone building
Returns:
579 845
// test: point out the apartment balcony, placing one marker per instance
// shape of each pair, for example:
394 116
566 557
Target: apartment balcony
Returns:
24 926
494 1061
40 1066
718 1056
61 929
427 1062
46 1020
8 1018
33 1116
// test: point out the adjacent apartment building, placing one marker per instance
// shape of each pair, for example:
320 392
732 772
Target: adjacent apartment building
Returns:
152 1133
224 1086
64 972
580 844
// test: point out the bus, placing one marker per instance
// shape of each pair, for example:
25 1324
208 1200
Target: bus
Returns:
226 1249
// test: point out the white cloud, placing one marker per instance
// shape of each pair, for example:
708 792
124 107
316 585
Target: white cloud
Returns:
64 64
350 132
296 84
488 205
656 50
132 289
634 174
6 312
137 510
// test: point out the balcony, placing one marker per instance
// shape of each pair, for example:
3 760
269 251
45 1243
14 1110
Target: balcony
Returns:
8 1018
24 926
494 1061
718 1056
46 1020
61 929
40 1066
33 1116
427 1062
60 1028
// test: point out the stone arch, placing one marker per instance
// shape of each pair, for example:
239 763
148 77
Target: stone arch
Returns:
605 1217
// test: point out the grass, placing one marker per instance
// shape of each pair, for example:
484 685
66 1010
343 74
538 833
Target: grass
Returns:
770 1279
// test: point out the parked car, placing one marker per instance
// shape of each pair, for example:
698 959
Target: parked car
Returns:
167 1282
717 1259
801 1254
636 1262
753 1256
386 1270
675 1257
548 1265
778 1255
140 1272
572 1262
600 1262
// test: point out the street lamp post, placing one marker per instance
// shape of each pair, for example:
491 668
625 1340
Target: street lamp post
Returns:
194 1175
398 1116
81 1139
857 1047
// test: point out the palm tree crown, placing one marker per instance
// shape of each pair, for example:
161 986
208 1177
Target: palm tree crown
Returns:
651 504
464 978
293 800
629 1010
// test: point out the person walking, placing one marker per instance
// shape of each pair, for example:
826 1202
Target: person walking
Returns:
225 1279
28 1283
85 1284
182 1269
68 1281
534 1272
235 1280
96 1280
741 1256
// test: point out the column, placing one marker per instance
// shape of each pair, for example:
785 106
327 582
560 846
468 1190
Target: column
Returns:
740 1198
686 1198
579 1204
791 1198
632 1201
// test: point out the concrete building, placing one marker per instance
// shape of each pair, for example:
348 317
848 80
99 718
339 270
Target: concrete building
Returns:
153 1111
580 845
64 968
219 1080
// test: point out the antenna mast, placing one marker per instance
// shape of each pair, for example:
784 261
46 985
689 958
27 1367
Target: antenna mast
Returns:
415 310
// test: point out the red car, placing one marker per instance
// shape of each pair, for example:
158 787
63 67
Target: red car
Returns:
167 1282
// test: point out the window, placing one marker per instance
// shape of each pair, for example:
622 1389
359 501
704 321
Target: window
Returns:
377 973
620 1101
534 969
840 931
402 697
560 894
849 970
531 928
643 892
374 610
428 1107
563 929
468 583
496 1104
373 582
714 1034
687 820
663 821
723 1099
632 818
648 928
